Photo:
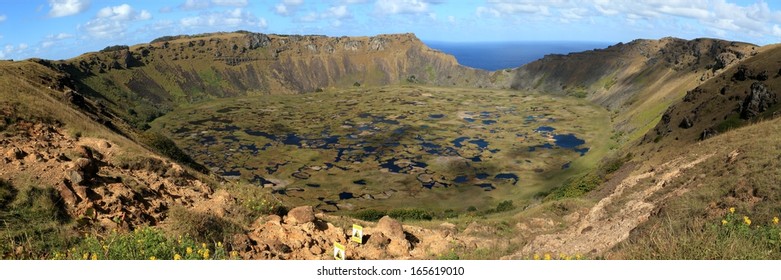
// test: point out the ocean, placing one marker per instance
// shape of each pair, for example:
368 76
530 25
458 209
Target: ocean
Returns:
502 55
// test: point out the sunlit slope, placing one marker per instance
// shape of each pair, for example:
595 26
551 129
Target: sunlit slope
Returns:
637 80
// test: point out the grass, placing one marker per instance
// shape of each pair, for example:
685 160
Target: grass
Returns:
689 226
143 244
33 223
735 237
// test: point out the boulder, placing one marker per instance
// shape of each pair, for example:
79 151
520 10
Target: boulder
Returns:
15 153
390 228
300 215
686 123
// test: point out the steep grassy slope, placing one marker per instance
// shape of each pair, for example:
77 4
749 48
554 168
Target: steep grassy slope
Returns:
638 80
144 81
695 221
739 96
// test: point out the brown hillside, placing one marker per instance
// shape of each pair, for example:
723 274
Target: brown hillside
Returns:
736 97
639 79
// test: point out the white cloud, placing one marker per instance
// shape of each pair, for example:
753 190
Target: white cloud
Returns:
195 4
123 13
61 8
716 16
310 17
3 18
401 6
287 7
112 22
234 3
337 12
232 18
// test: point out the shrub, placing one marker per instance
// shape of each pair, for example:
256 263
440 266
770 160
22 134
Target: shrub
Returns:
576 187
409 214
165 146
371 215
356 84
201 227
115 48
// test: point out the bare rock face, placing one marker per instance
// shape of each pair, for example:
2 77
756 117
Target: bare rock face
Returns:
390 228
725 59
257 40
300 215
759 100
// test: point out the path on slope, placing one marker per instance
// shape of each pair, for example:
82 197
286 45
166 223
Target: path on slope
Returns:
603 228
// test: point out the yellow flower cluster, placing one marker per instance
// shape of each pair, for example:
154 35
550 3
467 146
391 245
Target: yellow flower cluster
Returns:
775 220
747 220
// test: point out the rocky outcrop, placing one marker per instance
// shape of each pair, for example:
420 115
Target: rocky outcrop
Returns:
760 99
95 186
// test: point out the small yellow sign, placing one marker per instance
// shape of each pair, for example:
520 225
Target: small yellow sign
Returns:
338 251
357 235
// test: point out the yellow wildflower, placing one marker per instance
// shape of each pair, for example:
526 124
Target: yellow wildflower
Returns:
723 222
747 220
189 250
206 254
536 257
152 258
234 254
177 257
547 257
203 245
732 210
219 244
775 220
85 256
578 256
94 257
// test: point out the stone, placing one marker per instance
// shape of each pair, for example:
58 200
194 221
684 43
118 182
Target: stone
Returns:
390 228
15 153
399 248
76 177
378 240
84 151
300 215
686 123
316 250
241 243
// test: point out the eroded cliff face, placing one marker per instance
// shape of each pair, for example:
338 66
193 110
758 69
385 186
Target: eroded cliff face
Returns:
150 79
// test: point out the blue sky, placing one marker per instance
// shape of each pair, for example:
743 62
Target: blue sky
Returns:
59 29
